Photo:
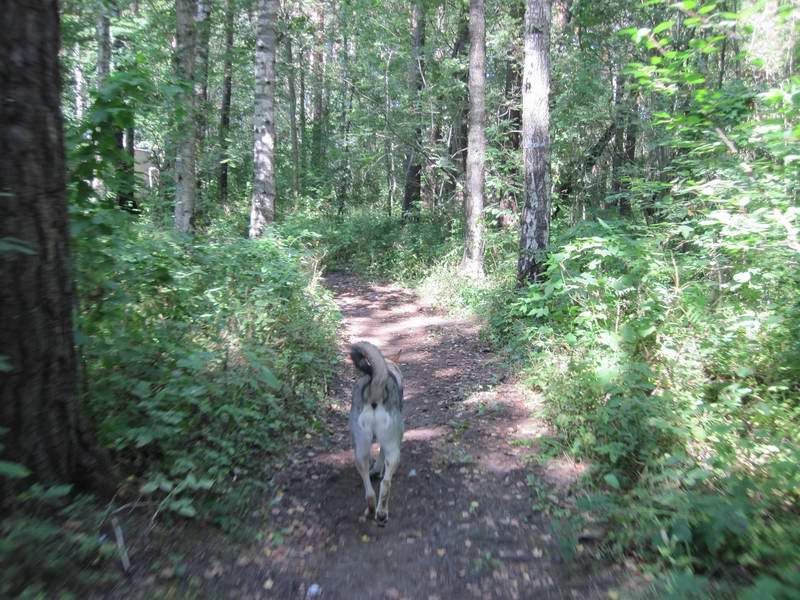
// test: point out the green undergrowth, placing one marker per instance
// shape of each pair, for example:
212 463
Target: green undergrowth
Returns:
667 346
201 356
669 362
373 243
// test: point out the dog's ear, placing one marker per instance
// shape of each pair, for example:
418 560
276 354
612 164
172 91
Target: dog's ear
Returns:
396 357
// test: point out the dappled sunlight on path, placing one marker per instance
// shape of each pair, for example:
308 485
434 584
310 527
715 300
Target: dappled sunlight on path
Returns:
461 518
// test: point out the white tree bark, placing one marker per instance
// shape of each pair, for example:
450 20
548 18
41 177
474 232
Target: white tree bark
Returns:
185 161
535 234
472 263
262 206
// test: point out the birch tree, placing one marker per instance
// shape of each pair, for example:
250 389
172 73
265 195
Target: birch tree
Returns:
186 159
262 203
472 263
535 232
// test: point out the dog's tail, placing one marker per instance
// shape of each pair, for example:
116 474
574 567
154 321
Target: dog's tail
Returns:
369 360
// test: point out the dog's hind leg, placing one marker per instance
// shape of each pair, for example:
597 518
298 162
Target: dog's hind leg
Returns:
392 460
378 466
362 451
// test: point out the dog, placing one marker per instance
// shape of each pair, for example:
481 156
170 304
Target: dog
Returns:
376 413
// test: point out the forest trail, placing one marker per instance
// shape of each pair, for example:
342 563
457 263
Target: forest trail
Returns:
462 522
461 519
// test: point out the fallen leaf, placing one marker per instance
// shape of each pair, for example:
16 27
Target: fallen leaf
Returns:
441 551
268 584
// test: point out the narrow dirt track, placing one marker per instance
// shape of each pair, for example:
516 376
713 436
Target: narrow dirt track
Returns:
461 519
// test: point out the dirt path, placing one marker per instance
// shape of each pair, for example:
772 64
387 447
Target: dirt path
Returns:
462 522
461 518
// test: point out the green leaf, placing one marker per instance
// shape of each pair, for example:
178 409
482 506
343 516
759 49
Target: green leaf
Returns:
663 26
612 480
149 487
13 470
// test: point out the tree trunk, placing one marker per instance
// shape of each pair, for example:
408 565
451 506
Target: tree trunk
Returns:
303 124
508 201
387 140
619 134
262 206
413 166
225 110
293 117
458 139
345 175
185 160
103 33
630 150
79 79
586 163
202 27
39 404
535 233
434 138
472 263
319 84
126 184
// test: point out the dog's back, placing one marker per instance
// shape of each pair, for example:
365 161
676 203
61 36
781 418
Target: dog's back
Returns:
382 382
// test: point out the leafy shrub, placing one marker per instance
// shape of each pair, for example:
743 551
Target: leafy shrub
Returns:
200 355
374 243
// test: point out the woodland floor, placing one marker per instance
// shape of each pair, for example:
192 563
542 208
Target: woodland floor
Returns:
462 522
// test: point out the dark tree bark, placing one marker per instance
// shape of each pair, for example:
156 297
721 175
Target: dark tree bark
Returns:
39 403
387 140
344 187
413 164
262 204
429 187
293 117
103 35
631 129
619 134
535 233
458 136
318 69
575 170
472 262
225 110
508 200
303 120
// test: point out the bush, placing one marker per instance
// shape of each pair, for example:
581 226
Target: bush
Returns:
200 356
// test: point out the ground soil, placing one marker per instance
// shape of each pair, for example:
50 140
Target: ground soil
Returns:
466 518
